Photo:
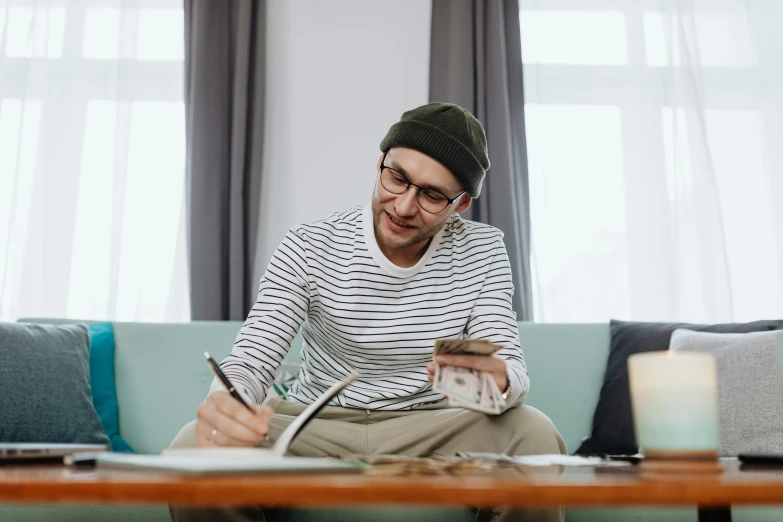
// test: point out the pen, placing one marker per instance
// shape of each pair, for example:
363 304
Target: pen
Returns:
222 376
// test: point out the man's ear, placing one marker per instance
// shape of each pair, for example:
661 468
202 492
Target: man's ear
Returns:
464 203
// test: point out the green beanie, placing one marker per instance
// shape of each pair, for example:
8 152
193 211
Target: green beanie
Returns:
447 133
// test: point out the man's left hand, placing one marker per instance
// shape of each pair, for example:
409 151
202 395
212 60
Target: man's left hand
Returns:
495 366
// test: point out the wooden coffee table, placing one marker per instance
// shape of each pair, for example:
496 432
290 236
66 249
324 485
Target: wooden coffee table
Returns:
530 487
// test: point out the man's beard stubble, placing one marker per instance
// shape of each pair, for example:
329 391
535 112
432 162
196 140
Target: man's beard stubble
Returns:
423 235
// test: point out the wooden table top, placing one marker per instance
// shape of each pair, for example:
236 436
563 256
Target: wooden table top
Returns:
527 487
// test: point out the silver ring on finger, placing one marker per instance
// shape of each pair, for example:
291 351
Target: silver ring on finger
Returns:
214 435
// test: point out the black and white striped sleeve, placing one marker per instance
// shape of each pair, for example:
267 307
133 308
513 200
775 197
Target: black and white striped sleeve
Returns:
494 319
273 322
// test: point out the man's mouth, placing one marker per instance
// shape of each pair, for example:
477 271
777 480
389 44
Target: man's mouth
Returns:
398 222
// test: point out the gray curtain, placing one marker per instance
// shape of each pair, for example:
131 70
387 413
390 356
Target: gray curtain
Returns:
476 62
225 65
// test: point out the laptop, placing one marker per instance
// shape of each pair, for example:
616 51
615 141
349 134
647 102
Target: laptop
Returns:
43 450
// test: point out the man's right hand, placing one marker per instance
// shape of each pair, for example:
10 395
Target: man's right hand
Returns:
224 421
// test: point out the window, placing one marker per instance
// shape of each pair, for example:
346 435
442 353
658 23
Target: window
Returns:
92 148
653 180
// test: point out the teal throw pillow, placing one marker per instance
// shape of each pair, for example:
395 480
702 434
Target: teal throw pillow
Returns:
104 390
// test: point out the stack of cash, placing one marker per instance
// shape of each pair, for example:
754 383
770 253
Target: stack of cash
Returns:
466 388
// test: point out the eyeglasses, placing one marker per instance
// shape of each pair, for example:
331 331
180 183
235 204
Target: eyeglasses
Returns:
430 200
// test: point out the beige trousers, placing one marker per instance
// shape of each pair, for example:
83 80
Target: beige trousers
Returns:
426 431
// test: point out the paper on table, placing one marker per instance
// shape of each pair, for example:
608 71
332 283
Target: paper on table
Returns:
222 453
566 460
545 460
210 465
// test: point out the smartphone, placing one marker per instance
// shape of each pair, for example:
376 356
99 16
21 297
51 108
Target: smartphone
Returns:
761 460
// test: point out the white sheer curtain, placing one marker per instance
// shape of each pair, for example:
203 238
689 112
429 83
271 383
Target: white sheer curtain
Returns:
92 160
656 171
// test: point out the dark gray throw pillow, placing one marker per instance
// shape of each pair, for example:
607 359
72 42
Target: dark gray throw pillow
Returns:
613 431
45 385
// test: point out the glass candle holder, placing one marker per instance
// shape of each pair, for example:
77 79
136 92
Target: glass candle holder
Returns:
674 397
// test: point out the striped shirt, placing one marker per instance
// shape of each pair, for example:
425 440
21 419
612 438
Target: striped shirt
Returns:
357 310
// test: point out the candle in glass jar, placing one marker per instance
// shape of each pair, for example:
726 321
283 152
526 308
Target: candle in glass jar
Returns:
674 397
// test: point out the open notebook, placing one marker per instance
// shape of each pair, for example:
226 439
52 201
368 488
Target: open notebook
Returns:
236 460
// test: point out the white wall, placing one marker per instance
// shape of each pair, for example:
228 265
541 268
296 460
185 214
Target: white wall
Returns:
339 73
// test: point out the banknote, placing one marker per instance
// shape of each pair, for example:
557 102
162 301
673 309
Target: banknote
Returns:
464 387
465 346
486 400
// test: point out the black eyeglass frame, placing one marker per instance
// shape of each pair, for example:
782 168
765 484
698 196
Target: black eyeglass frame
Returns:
449 201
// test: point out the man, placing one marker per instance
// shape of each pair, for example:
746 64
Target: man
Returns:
372 289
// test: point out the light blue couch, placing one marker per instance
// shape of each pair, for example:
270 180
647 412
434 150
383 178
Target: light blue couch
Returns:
162 378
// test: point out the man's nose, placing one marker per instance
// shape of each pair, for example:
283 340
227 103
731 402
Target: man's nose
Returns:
407 203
